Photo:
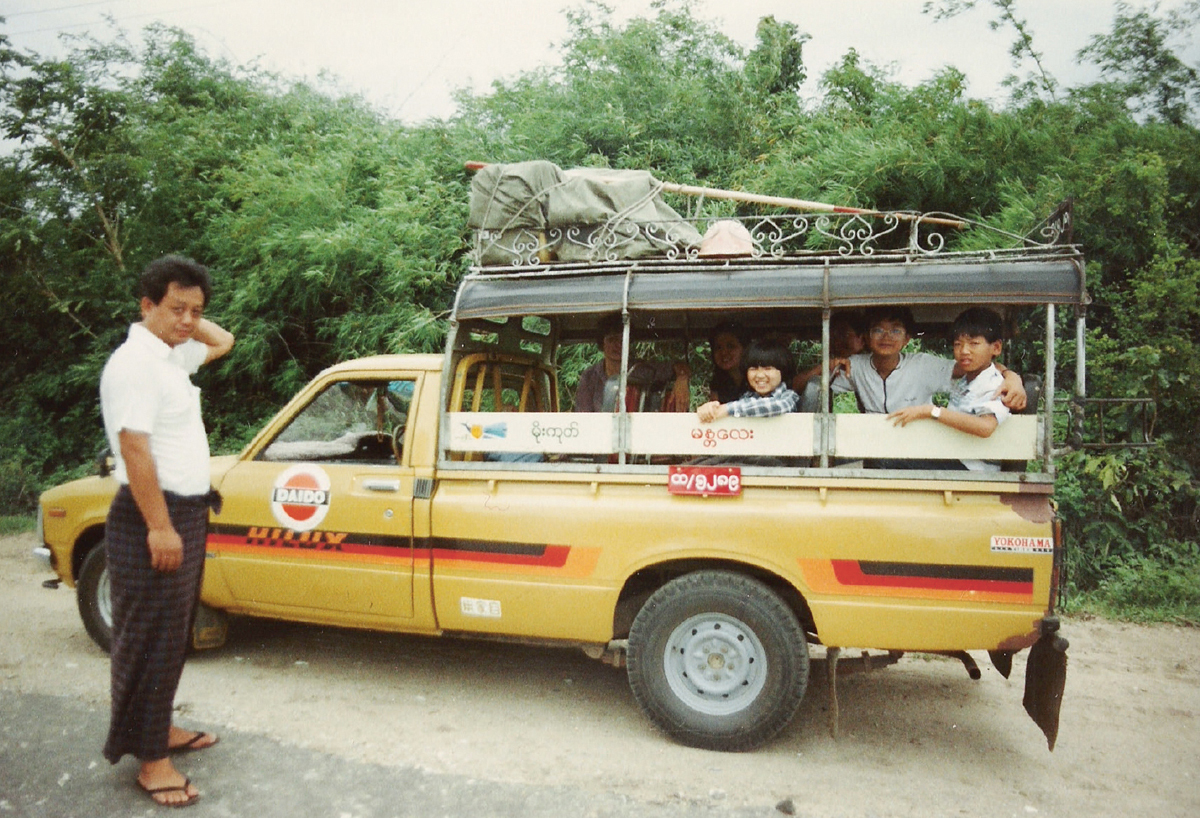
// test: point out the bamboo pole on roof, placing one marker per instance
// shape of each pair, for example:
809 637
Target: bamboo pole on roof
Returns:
783 201
799 204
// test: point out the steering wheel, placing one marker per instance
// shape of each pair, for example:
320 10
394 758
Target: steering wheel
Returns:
372 445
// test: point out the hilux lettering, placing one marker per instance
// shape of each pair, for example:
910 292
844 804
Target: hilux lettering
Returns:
287 538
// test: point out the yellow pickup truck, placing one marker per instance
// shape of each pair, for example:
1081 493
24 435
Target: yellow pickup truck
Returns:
440 494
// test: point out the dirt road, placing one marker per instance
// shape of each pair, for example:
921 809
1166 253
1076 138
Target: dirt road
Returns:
917 739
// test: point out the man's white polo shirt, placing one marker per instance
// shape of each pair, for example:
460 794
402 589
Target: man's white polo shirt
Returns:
914 381
146 387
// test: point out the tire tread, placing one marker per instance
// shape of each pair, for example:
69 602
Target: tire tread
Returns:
745 596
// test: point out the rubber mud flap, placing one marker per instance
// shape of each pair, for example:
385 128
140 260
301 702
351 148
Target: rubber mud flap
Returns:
1046 678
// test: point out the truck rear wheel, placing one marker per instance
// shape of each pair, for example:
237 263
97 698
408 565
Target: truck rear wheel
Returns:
93 594
718 661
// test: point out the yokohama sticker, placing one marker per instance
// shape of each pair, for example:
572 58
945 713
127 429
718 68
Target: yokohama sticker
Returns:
1023 545
300 498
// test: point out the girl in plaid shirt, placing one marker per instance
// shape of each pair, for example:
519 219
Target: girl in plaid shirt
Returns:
769 368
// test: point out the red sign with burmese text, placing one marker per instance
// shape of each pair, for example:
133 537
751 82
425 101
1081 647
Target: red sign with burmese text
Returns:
707 481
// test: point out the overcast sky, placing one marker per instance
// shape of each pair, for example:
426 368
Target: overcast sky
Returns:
407 56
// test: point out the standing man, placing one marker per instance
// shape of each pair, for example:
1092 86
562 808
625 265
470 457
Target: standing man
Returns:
158 521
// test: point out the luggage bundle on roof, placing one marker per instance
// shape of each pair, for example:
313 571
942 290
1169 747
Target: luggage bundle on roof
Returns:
530 213
534 214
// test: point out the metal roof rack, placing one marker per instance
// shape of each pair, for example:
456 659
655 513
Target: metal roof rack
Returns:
796 261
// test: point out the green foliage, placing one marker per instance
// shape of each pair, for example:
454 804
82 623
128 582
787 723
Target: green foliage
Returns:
333 232
18 485
1138 59
1146 590
1021 49
343 246
669 93
11 524
327 230
1128 513
776 66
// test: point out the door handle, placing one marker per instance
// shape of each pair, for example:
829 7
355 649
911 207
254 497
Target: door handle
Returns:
381 485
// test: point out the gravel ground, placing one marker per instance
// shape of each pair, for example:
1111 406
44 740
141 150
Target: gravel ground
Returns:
332 722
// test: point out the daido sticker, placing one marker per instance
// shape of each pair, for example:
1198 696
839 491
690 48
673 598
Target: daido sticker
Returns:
300 497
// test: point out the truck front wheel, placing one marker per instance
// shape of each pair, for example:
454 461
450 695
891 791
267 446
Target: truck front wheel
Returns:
93 594
718 661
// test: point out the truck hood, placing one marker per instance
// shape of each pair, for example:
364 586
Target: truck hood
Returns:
94 484
220 466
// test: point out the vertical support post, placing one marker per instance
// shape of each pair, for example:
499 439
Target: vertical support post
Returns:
825 419
1081 351
1048 393
1080 372
623 380
444 391
826 408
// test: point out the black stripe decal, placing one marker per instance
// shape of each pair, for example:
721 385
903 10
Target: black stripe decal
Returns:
986 573
481 546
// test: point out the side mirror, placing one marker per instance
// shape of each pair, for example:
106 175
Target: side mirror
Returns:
104 462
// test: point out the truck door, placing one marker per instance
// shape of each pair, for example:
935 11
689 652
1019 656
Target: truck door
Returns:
318 523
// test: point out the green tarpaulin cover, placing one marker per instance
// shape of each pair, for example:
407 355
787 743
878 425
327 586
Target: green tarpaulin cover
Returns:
536 209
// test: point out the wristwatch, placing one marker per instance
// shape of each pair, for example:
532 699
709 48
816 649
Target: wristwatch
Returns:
936 412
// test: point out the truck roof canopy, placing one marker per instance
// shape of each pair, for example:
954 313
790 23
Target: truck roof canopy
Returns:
702 292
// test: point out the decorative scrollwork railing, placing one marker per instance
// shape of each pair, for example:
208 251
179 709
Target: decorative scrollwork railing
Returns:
769 237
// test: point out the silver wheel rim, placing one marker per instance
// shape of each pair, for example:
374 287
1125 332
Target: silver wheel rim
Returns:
715 664
104 599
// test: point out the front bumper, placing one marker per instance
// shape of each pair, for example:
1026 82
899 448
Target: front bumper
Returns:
45 557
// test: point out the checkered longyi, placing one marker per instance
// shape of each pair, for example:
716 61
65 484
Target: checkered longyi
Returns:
152 614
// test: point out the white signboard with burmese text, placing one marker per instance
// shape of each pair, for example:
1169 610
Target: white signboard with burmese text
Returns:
683 433
669 433
532 432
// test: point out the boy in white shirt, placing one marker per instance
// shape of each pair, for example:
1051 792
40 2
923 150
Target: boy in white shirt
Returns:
973 407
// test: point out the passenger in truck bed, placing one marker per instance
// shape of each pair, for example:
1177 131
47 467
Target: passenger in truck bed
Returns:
591 395
973 407
847 336
727 344
887 379
769 369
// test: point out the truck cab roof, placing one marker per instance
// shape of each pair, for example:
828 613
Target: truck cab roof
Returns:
387 363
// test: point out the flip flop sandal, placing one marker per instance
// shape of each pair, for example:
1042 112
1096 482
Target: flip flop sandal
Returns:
190 745
187 782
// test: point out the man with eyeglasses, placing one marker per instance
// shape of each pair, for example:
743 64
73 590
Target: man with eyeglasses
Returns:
886 379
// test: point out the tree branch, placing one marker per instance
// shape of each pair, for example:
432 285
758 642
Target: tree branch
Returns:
112 242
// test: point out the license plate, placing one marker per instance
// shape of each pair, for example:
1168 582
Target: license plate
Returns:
706 481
